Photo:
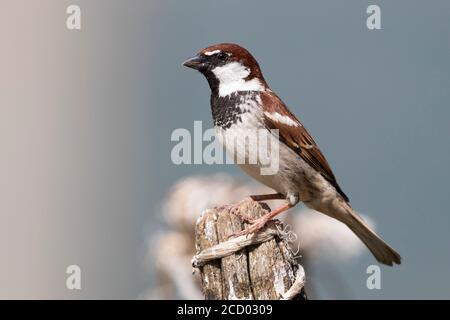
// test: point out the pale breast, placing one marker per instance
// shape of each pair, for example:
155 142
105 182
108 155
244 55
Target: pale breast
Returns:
242 132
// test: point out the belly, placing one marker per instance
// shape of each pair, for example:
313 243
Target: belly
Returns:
277 167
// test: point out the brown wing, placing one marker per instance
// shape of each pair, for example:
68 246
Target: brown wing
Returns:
297 138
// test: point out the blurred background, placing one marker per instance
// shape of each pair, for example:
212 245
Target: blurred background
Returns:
86 118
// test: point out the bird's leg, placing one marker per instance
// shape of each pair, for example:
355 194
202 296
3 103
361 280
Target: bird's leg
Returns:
257 224
263 197
259 197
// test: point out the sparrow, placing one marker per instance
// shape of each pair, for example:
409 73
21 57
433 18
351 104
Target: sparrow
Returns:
241 103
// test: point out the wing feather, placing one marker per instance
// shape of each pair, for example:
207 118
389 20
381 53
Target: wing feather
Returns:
295 136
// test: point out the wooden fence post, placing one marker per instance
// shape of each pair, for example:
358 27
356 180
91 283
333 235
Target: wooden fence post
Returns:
258 266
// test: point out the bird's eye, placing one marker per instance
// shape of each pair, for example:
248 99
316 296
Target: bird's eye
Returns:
222 55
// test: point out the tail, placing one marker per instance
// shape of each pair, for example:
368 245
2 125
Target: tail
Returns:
380 249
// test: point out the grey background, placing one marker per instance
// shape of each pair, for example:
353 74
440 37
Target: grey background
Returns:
87 117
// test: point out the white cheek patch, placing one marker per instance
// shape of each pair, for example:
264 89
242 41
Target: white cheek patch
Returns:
210 53
231 72
275 116
231 79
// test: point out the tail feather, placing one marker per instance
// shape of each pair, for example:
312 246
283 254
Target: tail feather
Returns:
381 250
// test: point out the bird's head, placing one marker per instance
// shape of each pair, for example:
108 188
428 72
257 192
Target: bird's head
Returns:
228 68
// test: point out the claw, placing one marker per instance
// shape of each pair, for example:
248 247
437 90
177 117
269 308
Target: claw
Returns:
254 227
235 210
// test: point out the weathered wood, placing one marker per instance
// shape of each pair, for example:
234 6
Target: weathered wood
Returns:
235 277
262 270
205 237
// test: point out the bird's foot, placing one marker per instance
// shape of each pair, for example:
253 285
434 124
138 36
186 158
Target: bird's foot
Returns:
255 226
245 218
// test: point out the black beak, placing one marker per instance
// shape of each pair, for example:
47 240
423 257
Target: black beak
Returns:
196 62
